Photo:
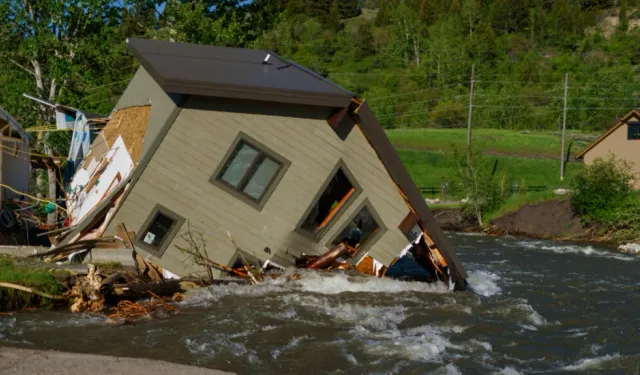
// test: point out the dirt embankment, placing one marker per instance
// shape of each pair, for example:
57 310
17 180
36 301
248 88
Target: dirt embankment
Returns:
552 219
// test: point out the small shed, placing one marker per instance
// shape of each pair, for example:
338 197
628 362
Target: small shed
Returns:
15 164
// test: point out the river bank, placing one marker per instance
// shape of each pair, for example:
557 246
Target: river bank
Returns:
551 220
34 362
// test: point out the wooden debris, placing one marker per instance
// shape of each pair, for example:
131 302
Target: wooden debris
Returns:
127 312
30 290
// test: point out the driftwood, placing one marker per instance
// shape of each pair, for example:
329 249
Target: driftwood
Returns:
29 290
164 288
326 260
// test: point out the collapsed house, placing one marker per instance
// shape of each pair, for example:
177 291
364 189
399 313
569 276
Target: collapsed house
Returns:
241 143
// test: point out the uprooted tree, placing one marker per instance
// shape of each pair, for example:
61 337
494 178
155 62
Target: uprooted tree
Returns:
483 188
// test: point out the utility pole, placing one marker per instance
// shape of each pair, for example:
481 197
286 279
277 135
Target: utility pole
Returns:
473 76
564 125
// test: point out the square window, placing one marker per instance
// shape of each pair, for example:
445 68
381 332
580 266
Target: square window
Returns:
158 230
360 230
250 171
335 195
634 130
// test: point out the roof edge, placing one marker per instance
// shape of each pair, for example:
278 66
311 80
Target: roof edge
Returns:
376 136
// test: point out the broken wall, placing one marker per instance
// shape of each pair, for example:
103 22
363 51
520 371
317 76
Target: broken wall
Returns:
178 178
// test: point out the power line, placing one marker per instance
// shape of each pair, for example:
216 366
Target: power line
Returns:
415 92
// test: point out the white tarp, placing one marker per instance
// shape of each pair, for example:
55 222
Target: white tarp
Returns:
119 162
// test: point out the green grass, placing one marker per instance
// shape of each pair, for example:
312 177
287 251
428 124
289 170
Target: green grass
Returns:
38 279
428 168
507 142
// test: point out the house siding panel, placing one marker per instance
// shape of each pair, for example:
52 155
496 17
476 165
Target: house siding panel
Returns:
178 178
15 168
618 144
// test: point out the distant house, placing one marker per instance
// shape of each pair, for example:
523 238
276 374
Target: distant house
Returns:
244 144
622 140
15 166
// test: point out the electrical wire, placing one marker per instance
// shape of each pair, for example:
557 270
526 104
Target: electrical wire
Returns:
32 197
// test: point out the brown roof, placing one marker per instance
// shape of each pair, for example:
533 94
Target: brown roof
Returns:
195 69
613 128
239 73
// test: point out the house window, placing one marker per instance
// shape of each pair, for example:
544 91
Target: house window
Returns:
362 230
250 171
335 195
158 230
634 130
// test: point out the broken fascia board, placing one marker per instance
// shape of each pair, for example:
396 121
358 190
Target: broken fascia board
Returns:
119 162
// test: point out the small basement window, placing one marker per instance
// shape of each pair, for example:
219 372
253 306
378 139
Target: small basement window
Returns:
159 230
361 230
633 131
337 193
250 171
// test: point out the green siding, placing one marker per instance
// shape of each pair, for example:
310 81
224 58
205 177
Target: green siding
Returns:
178 178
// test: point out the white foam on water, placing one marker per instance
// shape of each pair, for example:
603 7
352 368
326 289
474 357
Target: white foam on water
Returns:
591 363
275 353
421 344
575 249
484 283
449 369
508 371
314 282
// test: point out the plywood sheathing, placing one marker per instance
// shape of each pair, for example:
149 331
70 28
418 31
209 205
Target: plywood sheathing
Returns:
130 124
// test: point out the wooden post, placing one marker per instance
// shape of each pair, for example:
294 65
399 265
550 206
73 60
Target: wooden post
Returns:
473 76
564 126
2 189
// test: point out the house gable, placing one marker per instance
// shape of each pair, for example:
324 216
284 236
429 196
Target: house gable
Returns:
616 142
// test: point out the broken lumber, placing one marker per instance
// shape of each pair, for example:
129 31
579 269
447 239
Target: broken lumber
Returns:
325 260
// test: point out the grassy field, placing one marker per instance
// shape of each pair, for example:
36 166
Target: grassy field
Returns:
497 141
428 168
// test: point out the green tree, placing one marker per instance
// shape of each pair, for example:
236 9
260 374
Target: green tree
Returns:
485 191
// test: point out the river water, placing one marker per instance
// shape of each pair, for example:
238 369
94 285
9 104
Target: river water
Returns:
532 307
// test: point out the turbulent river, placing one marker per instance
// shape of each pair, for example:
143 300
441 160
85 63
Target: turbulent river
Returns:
532 307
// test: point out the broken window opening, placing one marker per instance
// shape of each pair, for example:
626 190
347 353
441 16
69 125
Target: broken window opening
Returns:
360 229
332 201
158 231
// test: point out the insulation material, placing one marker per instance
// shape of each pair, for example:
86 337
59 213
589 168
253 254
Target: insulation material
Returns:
130 124
119 165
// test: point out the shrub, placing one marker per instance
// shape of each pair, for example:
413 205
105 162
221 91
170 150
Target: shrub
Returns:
602 188
484 190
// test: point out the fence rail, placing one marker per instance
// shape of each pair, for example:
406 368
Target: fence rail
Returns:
434 191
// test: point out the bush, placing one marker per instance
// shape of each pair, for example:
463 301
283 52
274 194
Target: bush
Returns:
484 191
602 188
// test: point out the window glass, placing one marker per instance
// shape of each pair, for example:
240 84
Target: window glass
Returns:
359 229
263 175
331 201
239 163
158 230
634 130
